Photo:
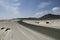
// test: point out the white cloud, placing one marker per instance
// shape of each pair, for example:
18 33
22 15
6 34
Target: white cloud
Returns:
10 8
39 14
43 5
40 9
56 10
16 0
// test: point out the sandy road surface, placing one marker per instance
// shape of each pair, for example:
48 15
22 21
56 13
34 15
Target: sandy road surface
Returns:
23 31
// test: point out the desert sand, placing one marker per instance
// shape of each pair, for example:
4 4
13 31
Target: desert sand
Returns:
17 30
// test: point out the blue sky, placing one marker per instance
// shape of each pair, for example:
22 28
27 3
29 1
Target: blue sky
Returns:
28 8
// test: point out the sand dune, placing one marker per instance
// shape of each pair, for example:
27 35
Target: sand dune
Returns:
51 24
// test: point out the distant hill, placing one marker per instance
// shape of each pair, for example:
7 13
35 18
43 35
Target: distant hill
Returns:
45 17
26 18
50 16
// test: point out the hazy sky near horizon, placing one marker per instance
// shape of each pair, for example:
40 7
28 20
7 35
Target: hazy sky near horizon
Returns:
28 8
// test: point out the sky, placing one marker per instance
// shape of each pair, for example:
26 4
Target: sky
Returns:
28 8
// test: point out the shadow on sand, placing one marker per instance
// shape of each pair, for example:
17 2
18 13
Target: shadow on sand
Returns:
51 32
